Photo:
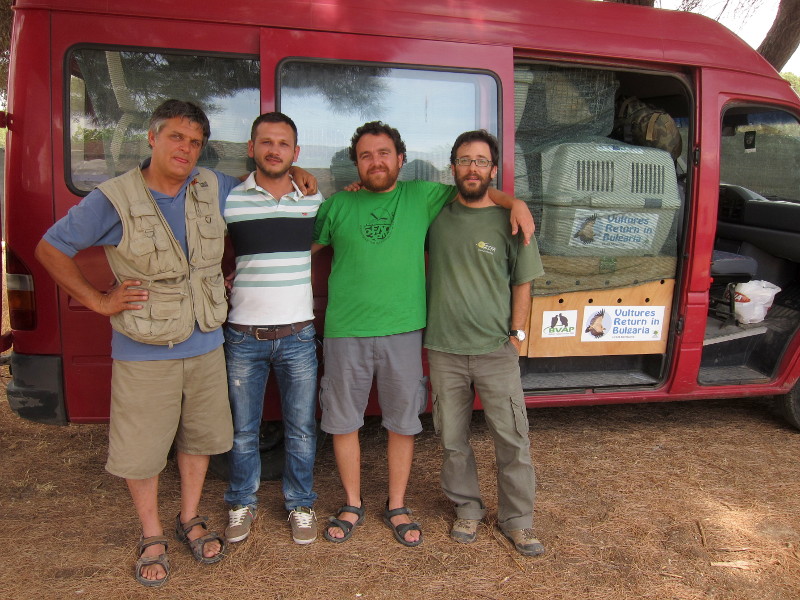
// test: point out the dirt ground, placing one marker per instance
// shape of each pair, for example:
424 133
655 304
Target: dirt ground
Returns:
662 501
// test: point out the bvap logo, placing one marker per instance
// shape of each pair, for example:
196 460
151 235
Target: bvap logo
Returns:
559 323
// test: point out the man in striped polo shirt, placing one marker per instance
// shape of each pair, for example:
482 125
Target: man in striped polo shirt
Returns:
270 325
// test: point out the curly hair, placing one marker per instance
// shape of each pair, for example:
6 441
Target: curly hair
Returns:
377 128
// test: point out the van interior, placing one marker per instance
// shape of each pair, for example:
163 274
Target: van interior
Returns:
611 210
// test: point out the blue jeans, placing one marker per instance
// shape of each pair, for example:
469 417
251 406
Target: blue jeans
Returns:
294 360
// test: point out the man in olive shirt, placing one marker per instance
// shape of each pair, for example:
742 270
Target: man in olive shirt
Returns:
478 301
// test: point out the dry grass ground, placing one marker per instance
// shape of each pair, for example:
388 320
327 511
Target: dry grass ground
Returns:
683 501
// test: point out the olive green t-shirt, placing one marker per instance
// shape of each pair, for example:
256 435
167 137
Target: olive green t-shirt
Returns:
377 281
473 260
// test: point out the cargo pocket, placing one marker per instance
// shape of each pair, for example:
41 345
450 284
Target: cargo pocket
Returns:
437 417
215 309
212 240
156 321
422 395
150 244
520 415
324 389
143 254
165 317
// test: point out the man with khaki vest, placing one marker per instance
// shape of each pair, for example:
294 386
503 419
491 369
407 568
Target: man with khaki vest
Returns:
162 230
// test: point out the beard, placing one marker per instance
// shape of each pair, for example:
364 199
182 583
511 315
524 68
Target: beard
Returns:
272 170
473 194
379 181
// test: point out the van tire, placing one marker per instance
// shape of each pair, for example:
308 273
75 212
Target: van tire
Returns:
790 406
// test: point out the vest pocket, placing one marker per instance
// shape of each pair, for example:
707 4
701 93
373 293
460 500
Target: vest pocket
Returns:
212 240
149 251
157 321
215 307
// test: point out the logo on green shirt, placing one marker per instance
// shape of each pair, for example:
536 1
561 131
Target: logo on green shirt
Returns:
378 226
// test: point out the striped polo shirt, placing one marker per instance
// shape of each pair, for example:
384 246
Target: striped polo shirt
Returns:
272 242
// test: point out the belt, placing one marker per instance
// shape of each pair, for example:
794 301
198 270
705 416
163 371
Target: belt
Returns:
270 332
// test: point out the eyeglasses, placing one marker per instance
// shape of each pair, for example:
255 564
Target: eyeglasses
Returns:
479 162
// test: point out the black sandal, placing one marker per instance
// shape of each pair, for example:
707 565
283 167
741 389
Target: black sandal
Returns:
401 530
196 546
346 526
145 561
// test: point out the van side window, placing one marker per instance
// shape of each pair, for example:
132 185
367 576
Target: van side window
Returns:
760 151
430 108
759 192
112 93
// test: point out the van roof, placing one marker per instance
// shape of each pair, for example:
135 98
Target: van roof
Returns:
568 28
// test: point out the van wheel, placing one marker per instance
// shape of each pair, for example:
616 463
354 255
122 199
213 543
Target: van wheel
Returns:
790 406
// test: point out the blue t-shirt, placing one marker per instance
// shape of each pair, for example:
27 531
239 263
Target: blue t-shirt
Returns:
95 222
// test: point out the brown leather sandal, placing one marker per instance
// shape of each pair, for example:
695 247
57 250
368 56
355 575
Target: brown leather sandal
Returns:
145 561
196 546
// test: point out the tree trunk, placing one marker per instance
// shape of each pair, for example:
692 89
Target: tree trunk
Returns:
783 38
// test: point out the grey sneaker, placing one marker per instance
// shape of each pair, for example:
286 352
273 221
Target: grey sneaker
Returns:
240 518
465 530
304 525
525 541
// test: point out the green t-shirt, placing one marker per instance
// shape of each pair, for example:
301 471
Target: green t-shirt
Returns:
473 260
377 281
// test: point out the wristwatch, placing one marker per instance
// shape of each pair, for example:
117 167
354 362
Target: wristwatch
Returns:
517 333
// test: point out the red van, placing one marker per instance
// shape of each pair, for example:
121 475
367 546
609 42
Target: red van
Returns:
666 235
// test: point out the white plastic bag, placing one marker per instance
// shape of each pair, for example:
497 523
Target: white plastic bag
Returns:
753 300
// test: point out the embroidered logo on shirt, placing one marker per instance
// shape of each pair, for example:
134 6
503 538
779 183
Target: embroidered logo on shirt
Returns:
378 226
486 248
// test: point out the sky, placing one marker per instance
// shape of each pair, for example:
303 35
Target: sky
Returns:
752 30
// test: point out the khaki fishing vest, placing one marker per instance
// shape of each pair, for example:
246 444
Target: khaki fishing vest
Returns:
181 292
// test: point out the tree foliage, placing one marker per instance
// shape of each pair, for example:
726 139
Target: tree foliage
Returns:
781 41
794 80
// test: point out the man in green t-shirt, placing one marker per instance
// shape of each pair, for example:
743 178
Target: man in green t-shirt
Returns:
478 302
375 316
